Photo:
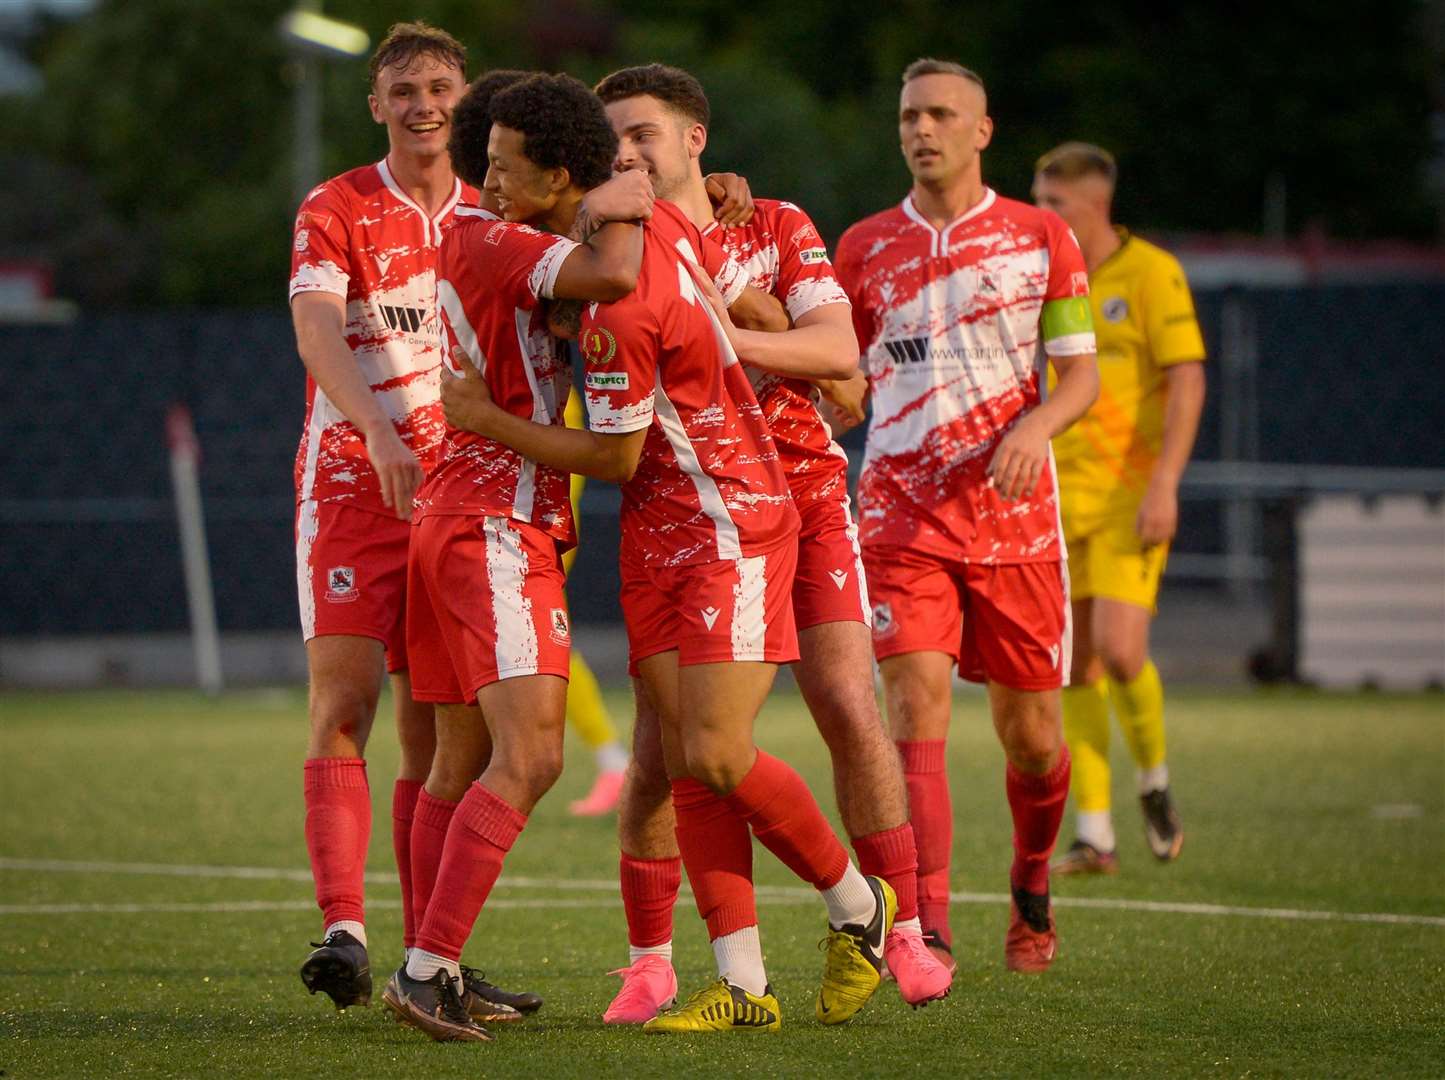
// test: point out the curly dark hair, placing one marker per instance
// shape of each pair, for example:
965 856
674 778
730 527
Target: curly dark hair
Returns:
406 41
563 126
672 86
472 124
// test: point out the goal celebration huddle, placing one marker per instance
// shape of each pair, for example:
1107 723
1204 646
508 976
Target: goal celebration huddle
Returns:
523 227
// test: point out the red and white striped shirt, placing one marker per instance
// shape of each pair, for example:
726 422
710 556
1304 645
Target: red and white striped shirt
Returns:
783 254
490 281
710 485
360 237
949 325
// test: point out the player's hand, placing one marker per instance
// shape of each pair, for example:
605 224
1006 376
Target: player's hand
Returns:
396 467
731 197
466 399
1020 458
1158 514
844 400
627 196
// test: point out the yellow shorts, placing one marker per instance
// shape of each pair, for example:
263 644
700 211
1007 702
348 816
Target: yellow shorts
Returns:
1106 558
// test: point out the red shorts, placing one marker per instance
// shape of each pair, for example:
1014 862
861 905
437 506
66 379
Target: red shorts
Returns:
351 575
486 603
829 585
1007 624
712 612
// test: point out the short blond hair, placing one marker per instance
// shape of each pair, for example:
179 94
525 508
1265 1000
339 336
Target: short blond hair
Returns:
1075 160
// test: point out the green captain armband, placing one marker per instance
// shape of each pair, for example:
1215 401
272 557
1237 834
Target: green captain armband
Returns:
1065 318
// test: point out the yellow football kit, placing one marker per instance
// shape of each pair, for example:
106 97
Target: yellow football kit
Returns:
1143 322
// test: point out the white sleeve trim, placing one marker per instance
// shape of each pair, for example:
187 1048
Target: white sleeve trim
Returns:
606 419
1071 344
324 276
815 293
543 278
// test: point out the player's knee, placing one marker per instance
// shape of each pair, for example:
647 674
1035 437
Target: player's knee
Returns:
714 764
1033 749
340 710
1121 661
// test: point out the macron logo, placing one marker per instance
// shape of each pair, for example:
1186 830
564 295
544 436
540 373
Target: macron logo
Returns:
382 262
1054 655
840 578
709 616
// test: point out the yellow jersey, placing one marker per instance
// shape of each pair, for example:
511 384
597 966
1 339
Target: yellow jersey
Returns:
1143 322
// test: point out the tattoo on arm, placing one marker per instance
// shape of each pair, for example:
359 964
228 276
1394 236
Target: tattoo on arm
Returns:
585 225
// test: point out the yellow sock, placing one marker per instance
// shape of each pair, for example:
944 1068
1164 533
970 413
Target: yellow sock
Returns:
1086 730
585 711
1139 704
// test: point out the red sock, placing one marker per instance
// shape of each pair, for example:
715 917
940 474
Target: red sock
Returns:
482 831
931 813
429 825
787 821
403 805
1037 803
649 891
338 830
893 856
718 854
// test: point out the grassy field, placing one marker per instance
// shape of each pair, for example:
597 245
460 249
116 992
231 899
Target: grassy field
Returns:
1299 808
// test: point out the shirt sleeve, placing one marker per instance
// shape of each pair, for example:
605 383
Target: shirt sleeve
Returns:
850 278
620 347
321 244
1169 320
805 273
1066 322
523 262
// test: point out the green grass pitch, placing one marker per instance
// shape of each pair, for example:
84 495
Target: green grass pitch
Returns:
1297 802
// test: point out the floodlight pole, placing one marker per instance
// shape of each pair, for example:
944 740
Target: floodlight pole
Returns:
307 144
312 39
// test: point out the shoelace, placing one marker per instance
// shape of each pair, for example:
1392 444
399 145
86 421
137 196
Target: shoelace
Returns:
452 1007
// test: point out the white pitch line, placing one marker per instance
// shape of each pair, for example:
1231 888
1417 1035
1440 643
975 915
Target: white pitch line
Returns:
245 906
776 893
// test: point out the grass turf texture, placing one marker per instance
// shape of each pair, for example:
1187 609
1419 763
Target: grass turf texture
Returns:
1281 796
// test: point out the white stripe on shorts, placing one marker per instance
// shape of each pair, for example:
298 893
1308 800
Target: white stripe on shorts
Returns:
750 612
306 528
511 608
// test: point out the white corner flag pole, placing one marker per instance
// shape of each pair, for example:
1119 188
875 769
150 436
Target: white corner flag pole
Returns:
186 482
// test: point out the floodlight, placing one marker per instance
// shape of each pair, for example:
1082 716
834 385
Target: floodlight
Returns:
307 31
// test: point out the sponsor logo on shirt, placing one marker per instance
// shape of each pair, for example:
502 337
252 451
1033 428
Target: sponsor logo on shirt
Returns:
813 256
341 584
920 350
806 235
303 237
1115 309
606 380
561 631
598 345
408 319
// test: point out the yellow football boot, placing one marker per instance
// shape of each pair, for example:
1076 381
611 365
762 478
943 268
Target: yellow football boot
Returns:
854 966
720 1006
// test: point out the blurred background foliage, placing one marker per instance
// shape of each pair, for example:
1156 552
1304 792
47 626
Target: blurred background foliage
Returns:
154 164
